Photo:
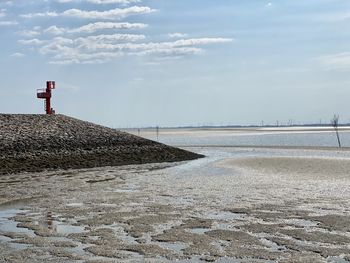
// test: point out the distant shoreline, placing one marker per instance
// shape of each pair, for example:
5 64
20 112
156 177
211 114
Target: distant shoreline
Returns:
315 148
245 129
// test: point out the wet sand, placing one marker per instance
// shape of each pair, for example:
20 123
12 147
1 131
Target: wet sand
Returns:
237 205
292 168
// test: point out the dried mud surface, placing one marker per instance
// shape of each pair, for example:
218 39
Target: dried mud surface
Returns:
34 143
210 211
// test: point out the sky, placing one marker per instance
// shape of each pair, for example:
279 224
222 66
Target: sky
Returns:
141 63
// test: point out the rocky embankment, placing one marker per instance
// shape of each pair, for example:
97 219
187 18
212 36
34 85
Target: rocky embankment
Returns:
33 143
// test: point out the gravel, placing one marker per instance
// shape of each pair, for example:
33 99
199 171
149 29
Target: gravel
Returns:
34 143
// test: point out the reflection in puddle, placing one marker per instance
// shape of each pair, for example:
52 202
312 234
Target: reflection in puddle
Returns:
60 227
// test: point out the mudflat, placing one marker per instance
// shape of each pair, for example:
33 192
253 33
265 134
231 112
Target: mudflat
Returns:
237 205
295 167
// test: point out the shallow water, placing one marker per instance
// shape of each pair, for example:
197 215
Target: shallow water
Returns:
199 137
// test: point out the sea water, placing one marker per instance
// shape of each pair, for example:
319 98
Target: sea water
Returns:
213 137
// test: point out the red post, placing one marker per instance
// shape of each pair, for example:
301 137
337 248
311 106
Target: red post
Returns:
48 98
46 94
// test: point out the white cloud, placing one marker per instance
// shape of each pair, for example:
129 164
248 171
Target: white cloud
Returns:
69 46
8 23
340 61
83 49
177 35
269 4
109 38
54 30
117 13
112 14
91 44
17 55
201 41
170 52
62 46
103 57
93 27
29 33
31 42
45 14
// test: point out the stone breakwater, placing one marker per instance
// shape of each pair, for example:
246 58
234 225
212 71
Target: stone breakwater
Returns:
34 143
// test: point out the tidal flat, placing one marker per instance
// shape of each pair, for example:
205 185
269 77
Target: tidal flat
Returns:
235 205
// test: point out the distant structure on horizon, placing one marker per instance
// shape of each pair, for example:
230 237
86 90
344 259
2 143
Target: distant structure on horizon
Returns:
46 94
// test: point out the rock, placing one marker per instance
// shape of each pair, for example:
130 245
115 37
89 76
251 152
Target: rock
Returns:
34 143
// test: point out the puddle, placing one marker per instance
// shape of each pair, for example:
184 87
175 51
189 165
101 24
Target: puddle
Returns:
198 230
63 226
124 235
337 260
7 213
274 247
4 239
224 216
300 222
176 246
222 226
9 225
66 229
17 246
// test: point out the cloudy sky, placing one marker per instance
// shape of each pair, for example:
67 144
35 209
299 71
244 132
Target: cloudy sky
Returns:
136 63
